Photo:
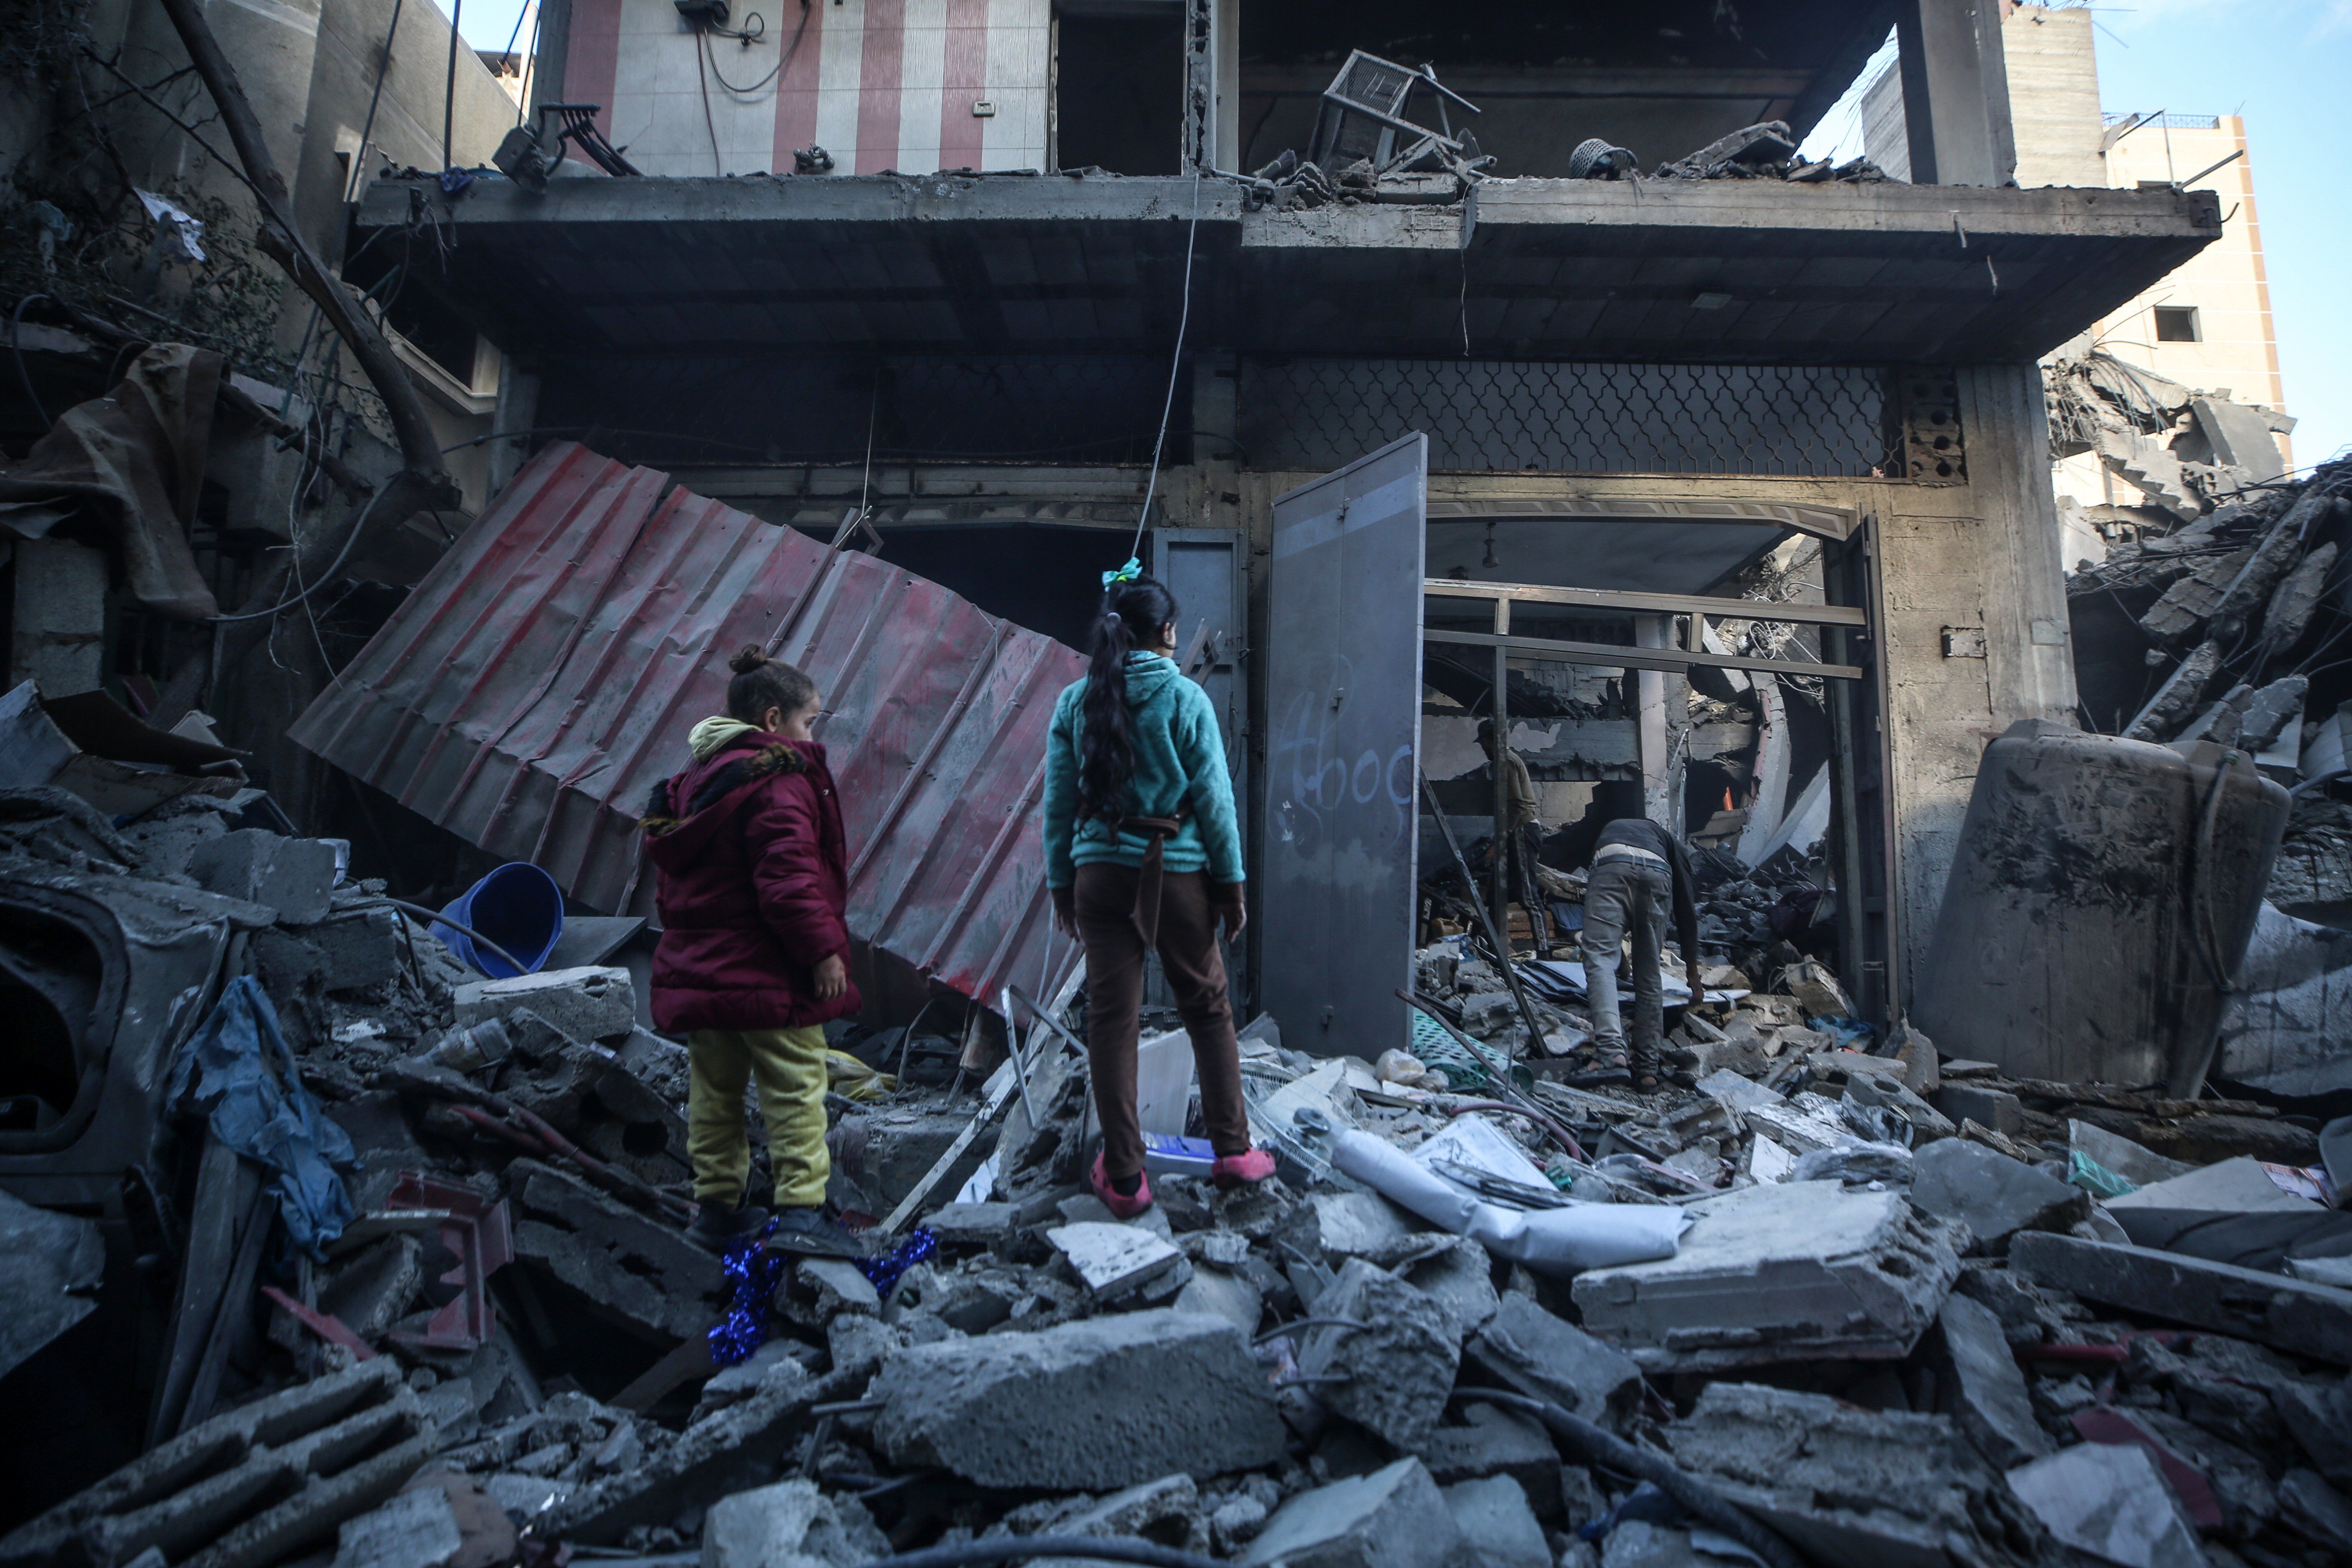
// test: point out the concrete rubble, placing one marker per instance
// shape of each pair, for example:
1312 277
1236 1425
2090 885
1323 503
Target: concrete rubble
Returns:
1827 1294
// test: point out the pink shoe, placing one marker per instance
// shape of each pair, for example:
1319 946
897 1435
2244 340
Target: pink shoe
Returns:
1246 1168
1121 1206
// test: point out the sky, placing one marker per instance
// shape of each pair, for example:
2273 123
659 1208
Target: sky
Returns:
2279 63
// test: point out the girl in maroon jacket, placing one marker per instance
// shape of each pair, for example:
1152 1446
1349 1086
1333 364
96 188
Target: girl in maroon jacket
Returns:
754 953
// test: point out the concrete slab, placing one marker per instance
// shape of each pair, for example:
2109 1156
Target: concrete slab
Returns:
1335 1227
1979 1384
1546 1357
1393 1517
1990 1193
1856 1489
1221 1295
2232 1186
1107 1402
2109 1499
414 1530
1111 1259
634 1271
296 877
589 1004
1400 1367
1498 1529
791 1524
720 1455
1493 1441
1779 1273
1994 1108
2292 1315
1460 1278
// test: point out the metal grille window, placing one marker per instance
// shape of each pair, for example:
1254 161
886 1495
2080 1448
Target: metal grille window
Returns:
1509 416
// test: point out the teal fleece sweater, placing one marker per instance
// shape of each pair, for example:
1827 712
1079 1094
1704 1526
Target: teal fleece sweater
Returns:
1180 758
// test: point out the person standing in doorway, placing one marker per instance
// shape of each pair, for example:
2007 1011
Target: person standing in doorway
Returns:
1143 854
1520 836
754 953
1638 870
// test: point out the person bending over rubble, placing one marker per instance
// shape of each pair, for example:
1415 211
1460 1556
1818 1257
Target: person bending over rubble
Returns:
755 951
1637 868
1142 852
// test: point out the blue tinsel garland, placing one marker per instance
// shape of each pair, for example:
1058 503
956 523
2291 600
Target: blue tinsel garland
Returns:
756 1272
883 1272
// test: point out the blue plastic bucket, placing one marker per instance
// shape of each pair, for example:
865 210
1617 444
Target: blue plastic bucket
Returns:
519 907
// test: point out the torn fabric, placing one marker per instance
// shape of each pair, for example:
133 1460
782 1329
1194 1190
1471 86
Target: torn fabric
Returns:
122 473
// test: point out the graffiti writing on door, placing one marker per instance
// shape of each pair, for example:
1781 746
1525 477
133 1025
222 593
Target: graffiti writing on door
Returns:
1347 774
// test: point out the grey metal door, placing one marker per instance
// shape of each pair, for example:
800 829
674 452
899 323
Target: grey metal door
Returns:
1342 757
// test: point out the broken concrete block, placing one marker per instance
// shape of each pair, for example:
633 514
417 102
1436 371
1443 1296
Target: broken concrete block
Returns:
719 1454
165 843
1979 1384
1497 1526
346 951
2110 1499
1335 1227
1460 1278
584 1004
1113 1259
635 1272
1638 1543
1994 1108
1167 1511
1777 1273
371 1288
1546 1357
859 1346
2308 1320
1221 1295
1393 1517
1855 1487
1993 1194
817 1291
1104 1402
972 1225
1494 1441
1399 1368
2319 1415
247 1488
2317 1512
415 1529
1885 1091
1797 1129
791 1524
296 877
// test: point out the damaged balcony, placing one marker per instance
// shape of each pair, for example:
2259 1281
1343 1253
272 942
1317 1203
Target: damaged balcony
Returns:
1718 271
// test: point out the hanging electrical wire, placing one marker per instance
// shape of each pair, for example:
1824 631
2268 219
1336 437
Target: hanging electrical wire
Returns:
1168 408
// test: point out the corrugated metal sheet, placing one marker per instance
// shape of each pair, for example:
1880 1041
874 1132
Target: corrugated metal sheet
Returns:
533 689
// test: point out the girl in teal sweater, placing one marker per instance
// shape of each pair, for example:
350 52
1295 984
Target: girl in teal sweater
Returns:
1142 853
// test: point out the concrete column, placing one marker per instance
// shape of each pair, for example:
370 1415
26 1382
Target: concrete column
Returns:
1955 92
1226 51
554 53
1661 726
58 616
2029 652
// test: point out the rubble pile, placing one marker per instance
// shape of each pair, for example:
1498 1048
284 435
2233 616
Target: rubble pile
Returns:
1811 1303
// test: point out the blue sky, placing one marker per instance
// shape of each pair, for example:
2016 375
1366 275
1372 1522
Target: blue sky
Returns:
2279 63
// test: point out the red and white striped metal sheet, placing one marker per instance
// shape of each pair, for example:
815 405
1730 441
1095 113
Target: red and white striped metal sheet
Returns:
539 683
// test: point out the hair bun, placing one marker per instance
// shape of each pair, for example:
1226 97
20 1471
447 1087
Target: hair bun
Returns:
750 658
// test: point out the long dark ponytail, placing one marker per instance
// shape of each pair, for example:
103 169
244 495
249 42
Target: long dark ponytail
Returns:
1132 614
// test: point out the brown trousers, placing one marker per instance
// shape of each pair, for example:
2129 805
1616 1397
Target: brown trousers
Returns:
1104 898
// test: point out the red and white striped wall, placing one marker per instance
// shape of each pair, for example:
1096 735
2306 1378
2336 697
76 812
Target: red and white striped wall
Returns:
880 84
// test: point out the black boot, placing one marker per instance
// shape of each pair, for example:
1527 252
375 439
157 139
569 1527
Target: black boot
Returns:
804 1231
716 1225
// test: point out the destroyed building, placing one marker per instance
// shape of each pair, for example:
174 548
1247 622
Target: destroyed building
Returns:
1539 379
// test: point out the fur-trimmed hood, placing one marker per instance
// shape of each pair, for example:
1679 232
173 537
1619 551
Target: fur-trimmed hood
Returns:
754 756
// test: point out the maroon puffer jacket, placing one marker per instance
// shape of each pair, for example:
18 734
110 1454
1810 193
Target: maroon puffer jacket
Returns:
753 882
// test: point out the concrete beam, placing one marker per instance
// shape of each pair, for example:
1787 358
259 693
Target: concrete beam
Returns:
1956 93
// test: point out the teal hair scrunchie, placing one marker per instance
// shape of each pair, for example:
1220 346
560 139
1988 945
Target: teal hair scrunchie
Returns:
1127 574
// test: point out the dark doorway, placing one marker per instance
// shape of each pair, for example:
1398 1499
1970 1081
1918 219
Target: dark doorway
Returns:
1046 579
1118 92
